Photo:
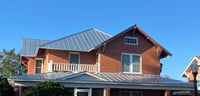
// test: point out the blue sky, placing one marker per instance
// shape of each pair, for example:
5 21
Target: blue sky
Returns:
173 23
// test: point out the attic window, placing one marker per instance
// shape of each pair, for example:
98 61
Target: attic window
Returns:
131 40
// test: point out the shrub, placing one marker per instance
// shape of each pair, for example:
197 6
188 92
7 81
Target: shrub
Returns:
5 88
48 88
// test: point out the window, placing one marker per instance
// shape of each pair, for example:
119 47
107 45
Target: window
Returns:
131 63
74 58
38 65
130 93
131 40
83 92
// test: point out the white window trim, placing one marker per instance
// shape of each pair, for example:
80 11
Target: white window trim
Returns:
131 92
89 90
41 64
74 53
131 64
130 38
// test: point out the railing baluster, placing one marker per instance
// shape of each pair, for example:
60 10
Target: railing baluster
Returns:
74 67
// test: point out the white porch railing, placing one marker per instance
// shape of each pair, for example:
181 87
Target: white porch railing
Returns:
56 67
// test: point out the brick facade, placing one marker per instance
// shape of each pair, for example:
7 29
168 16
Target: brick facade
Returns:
108 56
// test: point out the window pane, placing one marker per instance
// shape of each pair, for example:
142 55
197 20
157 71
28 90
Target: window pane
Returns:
38 66
131 40
74 58
38 70
124 93
97 91
38 63
136 63
125 63
82 94
137 94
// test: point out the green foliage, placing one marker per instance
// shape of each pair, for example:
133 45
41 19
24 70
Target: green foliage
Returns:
5 88
10 63
48 89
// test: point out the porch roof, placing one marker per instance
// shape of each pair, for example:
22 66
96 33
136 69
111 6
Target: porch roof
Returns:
111 80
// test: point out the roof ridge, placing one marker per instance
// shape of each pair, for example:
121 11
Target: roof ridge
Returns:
34 39
73 35
101 32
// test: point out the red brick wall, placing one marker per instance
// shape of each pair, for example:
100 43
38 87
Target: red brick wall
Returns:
31 65
61 56
111 56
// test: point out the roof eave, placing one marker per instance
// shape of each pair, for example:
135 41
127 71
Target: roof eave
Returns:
158 86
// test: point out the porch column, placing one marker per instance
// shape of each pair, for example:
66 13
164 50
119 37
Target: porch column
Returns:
50 66
106 92
167 93
20 91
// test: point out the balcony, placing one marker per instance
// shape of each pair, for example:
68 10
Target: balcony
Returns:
65 67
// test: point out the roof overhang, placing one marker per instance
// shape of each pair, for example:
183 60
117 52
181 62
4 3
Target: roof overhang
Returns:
108 84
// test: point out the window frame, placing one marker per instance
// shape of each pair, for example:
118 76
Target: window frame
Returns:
74 53
131 92
131 69
129 37
41 64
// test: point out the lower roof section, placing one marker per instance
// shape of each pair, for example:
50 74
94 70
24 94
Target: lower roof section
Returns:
103 80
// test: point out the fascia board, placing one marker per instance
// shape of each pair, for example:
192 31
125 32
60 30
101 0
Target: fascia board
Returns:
165 86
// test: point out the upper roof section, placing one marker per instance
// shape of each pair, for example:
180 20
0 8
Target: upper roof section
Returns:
29 46
83 41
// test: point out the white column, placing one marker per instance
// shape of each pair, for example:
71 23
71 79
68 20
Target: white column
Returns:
90 92
20 91
50 69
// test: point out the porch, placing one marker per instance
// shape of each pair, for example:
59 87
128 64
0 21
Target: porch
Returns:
65 67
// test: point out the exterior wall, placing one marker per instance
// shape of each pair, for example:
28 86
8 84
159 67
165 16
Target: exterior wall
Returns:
116 92
110 57
31 65
59 56
191 77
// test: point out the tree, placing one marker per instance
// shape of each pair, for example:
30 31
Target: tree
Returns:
48 88
10 63
5 88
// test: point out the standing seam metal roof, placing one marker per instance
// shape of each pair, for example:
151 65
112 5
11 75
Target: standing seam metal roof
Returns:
109 77
82 41
29 46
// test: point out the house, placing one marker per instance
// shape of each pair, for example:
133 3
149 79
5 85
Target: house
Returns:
94 63
187 73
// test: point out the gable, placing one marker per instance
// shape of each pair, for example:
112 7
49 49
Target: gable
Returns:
133 31
83 77
195 59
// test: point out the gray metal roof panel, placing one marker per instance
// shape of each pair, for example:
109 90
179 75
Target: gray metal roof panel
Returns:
29 46
82 41
118 77
109 77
